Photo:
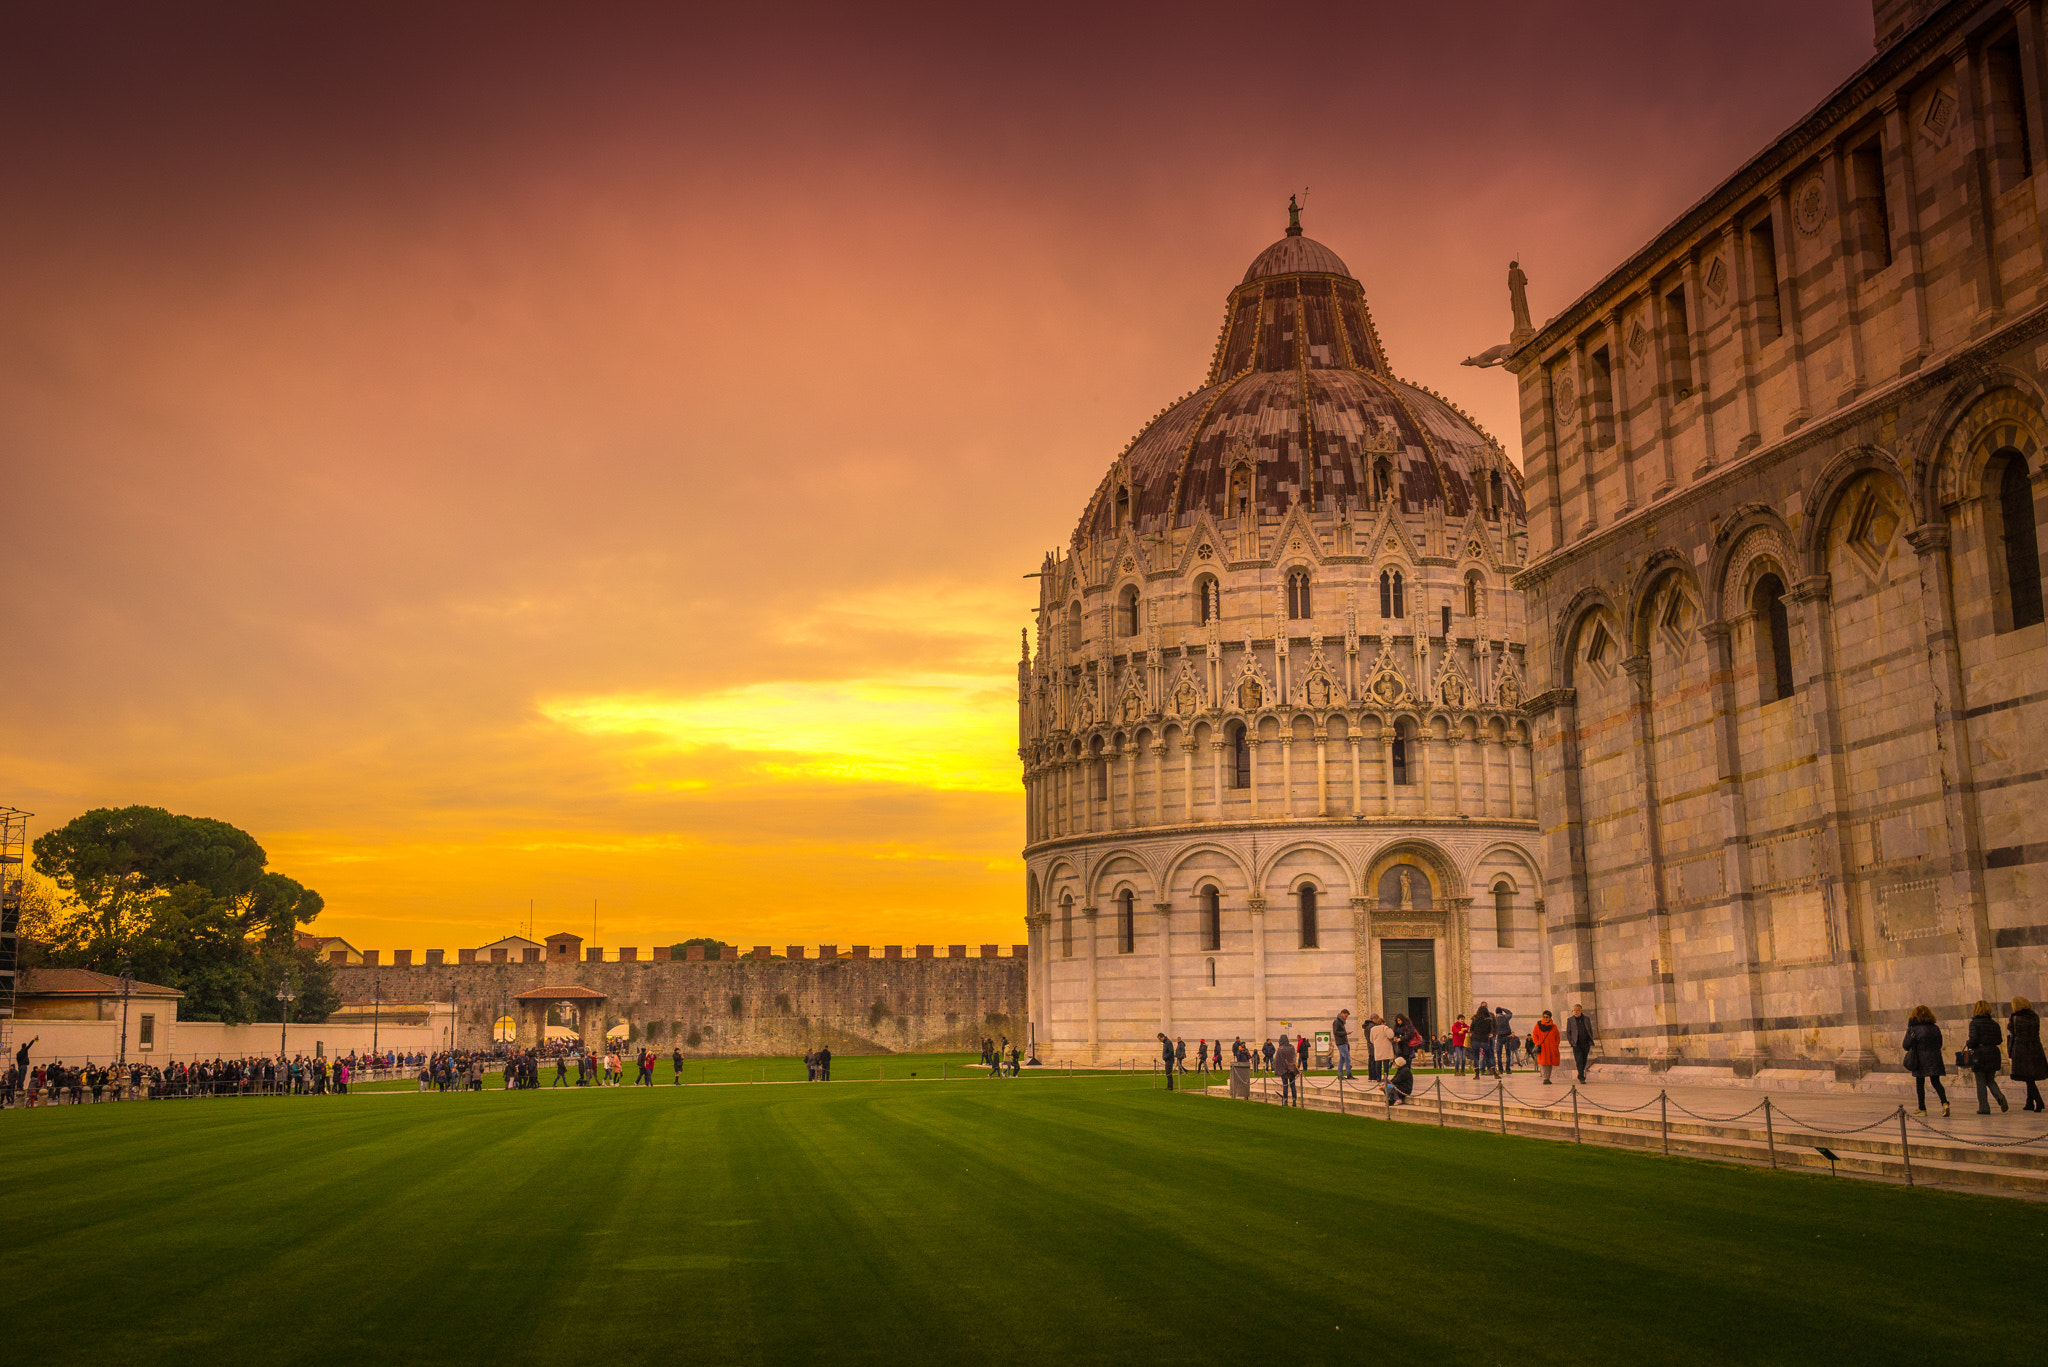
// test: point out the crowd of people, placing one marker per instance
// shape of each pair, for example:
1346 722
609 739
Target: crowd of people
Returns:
1000 1057
1981 1056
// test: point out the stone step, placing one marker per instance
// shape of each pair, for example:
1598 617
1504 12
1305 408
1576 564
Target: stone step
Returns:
2007 1171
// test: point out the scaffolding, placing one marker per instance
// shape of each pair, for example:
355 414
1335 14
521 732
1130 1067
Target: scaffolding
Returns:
13 871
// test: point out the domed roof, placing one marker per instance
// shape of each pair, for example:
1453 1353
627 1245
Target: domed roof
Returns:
1294 255
1300 405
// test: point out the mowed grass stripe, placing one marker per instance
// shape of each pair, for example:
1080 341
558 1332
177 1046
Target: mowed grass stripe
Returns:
1102 1220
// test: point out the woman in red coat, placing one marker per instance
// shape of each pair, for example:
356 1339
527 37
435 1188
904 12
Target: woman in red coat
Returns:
1545 1036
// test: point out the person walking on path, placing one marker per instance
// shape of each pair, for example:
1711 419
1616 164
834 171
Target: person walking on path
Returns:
1545 1037
1202 1058
1380 1037
1923 1057
1459 1031
1578 1032
1166 1054
1340 1037
2023 1038
1180 1055
676 1062
1983 1042
1290 1073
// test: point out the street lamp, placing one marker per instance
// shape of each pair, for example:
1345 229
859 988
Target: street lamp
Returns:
127 985
284 1002
376 1010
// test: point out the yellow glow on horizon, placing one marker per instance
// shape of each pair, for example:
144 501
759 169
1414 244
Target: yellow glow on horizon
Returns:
945 731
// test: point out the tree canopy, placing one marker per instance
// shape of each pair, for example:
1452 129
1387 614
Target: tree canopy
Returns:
181 900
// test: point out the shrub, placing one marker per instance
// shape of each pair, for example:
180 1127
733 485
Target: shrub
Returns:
734 1004
696 1038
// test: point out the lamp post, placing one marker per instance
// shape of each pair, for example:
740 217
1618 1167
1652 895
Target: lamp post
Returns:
376 1009
284 1014
127 986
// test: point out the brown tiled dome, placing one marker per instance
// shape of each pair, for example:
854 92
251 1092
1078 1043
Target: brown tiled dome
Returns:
1301 389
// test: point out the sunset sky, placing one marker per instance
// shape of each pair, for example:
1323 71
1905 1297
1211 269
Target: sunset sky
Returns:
495 453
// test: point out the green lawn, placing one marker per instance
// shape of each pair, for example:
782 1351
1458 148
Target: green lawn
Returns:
1067 1220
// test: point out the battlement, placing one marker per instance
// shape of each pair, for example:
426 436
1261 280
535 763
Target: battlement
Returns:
561 949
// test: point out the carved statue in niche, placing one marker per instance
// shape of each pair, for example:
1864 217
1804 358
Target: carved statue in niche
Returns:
1453 691
1510 691
1134 706
1319 692
1406 887
1185 699
1407 892
1249 696
1387 688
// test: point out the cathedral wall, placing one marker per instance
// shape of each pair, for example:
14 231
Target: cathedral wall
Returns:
1789 725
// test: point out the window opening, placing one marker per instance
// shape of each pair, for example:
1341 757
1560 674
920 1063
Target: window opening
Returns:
1126 922
1128 614
1400 762
1067 927
1472 593
1212 972
1074 637
1773 640
1212 923
1678 341
1240 757
1504 916
1763 252
1297 595
1306 899
2012 153
2021 542
1872 212
1601 373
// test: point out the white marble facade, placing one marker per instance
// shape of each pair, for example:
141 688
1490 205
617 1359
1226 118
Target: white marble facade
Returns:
1275 761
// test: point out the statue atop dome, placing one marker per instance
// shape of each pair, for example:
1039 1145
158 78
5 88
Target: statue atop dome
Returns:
1294 220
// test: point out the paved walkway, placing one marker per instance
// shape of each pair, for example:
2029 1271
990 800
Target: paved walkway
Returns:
1819 1111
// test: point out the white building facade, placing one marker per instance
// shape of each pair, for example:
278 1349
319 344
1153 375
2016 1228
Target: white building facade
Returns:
1275 761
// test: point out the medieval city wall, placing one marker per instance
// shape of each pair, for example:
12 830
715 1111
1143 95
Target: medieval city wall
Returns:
737 1006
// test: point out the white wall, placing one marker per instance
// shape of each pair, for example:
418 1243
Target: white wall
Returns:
75 1042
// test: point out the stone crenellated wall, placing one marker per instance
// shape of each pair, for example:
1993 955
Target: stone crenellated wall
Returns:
739 1006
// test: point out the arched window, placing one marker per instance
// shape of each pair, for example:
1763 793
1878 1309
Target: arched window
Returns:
1297 595
1212 920
1126 922
1472 593
1400 608
1773 640
1074 627
1212 972
2022 587
1067 926
1240 492
1121 514
1305 898
1240 757
1209 605
1101 779
1401 761
1496 508
1127 610
1382 480
1391 603
1504 915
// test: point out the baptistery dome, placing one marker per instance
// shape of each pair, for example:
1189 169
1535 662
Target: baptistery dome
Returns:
1271 730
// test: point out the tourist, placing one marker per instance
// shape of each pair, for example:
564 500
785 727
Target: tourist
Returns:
1166 1052
1923 1057
1202 1058
825 1063
1180 1054
1340 1039
1481 1036
1017 1059
1543 1045
676 1062
1505 1040
1405 1039
1288 1064
1400 1083
1267 1054
2023 1038
1578 1032
561 1070
1983 1042
1458 1032
1379 1038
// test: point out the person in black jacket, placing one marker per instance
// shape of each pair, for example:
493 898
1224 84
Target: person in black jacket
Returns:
1578 1033
1985 1037
1923 1057
2023 1037
1481 1036
1166 1054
